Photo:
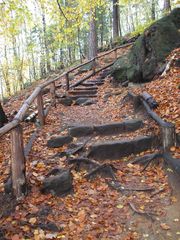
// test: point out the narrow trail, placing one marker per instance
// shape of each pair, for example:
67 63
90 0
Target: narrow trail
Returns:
124 201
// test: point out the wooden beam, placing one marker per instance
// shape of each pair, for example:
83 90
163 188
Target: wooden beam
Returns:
18 167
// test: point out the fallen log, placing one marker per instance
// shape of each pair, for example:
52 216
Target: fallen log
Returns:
31 117
150 100
29 145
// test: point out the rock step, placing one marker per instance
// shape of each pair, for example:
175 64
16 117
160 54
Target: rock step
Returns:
83 96
106 129
105 73
78 92
60 141
86 88
85 84
84 101
100 82
58 182
117 149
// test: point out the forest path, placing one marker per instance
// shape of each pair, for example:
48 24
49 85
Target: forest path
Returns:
138 204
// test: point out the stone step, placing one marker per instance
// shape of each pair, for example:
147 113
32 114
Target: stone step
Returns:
116 149
105 73
84 101
83 96
85 84
95 81
106 129
86 88
82 92
59 141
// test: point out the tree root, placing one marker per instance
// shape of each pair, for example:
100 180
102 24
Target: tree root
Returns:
105 169
117 186
147 214
145 159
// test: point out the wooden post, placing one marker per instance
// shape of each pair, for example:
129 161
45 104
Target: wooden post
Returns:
168 136
67 81
41 115
18 167
94 66
52 91
115 53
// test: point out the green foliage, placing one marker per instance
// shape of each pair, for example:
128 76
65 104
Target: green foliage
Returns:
140 28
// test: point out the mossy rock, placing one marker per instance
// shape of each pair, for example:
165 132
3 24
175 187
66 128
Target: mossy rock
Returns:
86 68
150 50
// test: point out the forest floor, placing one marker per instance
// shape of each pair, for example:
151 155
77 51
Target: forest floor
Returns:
95 210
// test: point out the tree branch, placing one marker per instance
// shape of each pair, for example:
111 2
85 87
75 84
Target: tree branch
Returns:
62 11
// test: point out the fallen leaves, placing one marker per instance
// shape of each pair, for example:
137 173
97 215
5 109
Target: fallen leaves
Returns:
164 226
94 211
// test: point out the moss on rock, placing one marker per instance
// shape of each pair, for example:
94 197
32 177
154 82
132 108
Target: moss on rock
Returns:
149 51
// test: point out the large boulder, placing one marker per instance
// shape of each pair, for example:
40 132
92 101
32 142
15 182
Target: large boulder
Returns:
147 57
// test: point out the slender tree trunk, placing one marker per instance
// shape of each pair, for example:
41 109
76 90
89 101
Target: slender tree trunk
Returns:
45 41
131 18
167 6
102 29
5 73
92 37
116 20
153 10
79 45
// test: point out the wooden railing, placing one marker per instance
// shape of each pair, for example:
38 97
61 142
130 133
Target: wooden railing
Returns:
15 126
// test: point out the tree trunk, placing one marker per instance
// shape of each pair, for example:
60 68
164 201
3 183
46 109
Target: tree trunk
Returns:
102 29
92 37
3 117
79 45
167 6
116 20
48 66
153 10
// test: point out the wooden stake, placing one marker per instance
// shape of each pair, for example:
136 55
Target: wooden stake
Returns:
94 66
115 53
18 163
67 81
168 135
41 115
53 92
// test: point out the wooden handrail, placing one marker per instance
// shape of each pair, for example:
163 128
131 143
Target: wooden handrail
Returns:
21 113
17 149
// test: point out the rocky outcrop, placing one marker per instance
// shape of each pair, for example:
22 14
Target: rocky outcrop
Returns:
147 56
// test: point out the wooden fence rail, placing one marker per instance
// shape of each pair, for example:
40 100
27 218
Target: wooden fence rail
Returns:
15 127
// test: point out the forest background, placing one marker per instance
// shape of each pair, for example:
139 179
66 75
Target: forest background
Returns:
38 37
